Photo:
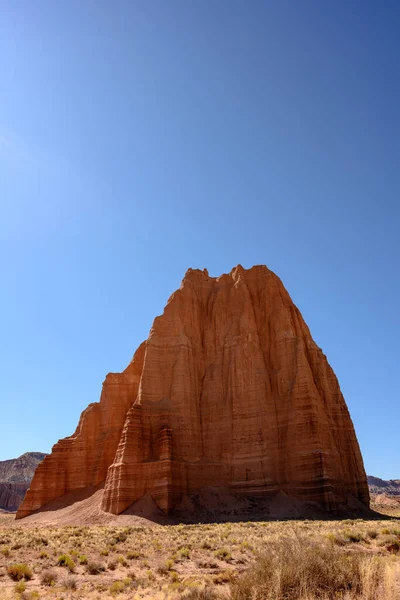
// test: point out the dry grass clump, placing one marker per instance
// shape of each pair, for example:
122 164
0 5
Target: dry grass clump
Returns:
69 582
20 571
223 554
49 577
223 577
94 567
302 568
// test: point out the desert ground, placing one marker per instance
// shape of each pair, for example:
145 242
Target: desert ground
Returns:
288 560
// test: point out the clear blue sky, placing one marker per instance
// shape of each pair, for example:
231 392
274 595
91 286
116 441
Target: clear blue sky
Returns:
138 139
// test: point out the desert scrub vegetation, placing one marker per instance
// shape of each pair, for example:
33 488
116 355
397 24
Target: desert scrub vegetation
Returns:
66 561
69 582
354 559
20 571
223 554
48 577
303 568
94 567
117 587
20 587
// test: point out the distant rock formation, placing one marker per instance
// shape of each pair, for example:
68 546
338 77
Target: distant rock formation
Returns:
15 477
228 391
380 486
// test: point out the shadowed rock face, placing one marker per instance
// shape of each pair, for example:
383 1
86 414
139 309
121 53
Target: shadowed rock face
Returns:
229 390
11 495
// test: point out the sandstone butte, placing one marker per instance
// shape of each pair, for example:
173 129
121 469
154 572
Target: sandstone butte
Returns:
228 390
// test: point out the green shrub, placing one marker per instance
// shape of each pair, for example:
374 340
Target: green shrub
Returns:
66 561
122 561
245 546
174 577
184 552
223 554
169 564
20 587
117 587
165 567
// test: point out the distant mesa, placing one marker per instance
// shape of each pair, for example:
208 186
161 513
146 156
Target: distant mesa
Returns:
15 477
228 402
382 486
385 495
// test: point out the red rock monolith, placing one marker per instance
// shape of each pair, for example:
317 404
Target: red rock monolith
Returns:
229 390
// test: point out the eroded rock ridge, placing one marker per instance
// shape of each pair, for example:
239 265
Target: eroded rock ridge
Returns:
15 477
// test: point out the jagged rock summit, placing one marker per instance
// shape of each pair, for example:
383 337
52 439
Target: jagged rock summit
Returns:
228 391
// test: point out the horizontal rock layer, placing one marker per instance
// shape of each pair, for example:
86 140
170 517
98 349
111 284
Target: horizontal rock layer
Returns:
229 390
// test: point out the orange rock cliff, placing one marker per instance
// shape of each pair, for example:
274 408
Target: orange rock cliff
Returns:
228 390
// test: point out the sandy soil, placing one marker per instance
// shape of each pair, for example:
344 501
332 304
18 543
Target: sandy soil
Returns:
210 505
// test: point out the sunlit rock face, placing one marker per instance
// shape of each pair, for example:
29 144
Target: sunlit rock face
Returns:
228 390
